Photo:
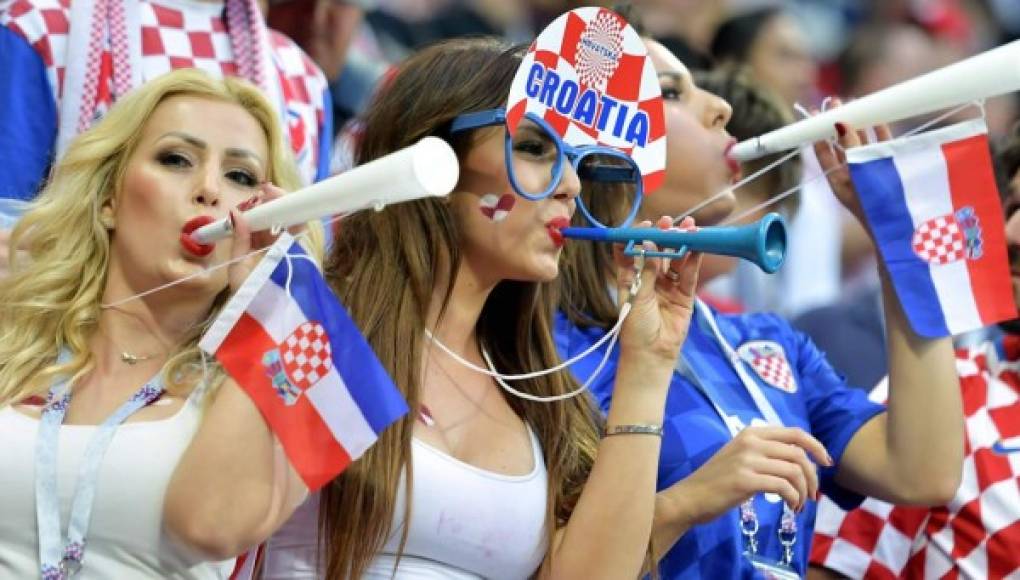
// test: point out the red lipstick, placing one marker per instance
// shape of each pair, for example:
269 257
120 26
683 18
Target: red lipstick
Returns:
554 226
189 244
732 163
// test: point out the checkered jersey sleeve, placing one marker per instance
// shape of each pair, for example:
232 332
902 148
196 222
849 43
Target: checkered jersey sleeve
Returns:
875 540
974 536
835 411
309 107
28 117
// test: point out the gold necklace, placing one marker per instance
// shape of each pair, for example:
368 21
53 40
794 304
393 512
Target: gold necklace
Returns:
133 359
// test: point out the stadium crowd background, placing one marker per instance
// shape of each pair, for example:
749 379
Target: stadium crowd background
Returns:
802 51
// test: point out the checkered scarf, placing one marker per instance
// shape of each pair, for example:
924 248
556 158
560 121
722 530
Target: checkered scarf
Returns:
92 22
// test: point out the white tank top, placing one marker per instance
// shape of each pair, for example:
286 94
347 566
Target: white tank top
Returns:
466 523
126 537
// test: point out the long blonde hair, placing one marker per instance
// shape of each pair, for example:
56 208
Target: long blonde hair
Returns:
385 266
51 300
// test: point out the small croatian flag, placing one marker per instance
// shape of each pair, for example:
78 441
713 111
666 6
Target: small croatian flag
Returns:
934 209
290 344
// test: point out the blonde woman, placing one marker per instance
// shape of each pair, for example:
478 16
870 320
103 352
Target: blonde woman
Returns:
100 393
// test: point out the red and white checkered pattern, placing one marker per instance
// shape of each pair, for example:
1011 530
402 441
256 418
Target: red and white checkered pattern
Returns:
303 86
631 79
774 370
173 39
594 67
307 355
91 90
119 47
978 534
45 25
939 240
768 359
180 34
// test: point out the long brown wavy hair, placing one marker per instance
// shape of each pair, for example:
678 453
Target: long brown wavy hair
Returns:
385 266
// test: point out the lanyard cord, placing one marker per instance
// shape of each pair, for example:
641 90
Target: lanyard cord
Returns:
749 524
60 560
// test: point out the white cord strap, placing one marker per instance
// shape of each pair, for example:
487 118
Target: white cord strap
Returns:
777 198
501 379
612 336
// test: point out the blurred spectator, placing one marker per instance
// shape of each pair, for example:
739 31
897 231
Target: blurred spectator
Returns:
334 25
882 55
955 30
510 20
755 111
323 28
773 47
693 21
390 30
685 27
850 329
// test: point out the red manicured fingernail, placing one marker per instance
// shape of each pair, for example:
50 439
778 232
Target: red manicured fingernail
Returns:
248 203
841 129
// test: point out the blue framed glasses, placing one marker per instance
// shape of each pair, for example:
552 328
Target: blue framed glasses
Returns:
610 180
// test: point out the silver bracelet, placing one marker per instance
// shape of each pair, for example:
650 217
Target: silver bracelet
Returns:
634 430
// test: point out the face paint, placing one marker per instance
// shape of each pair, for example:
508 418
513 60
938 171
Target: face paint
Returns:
497 207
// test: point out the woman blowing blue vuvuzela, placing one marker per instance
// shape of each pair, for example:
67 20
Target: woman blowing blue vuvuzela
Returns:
477 482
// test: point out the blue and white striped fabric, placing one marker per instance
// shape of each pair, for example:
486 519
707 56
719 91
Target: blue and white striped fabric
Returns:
933 206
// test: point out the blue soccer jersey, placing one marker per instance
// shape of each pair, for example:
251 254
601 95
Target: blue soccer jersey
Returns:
799 384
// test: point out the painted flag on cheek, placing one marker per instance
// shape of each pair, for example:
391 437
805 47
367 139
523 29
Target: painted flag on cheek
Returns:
933 207
291 346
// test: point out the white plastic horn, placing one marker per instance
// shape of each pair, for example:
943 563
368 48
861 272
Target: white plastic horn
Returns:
991 73
428 168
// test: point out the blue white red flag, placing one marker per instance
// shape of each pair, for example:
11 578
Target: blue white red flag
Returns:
933 206
292 347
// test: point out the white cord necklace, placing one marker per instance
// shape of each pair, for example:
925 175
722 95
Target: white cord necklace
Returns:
501 379
612 336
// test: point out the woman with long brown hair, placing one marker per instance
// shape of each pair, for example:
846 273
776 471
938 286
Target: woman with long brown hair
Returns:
477 482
